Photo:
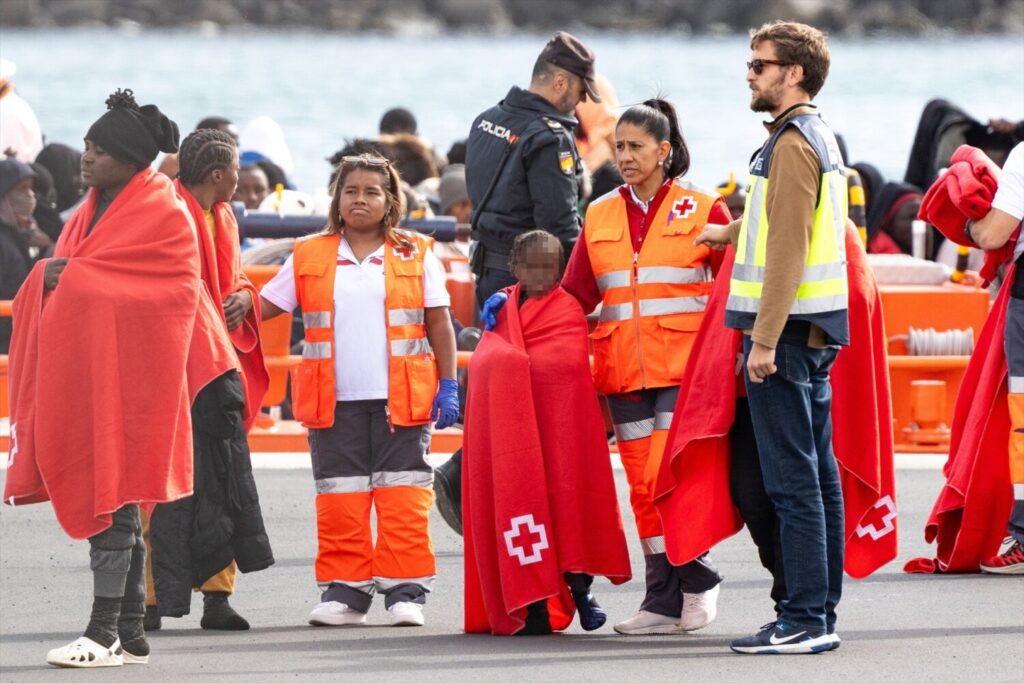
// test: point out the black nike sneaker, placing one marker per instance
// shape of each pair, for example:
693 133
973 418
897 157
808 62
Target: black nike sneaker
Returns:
784 640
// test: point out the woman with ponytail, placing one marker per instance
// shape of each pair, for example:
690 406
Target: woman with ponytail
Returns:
637 260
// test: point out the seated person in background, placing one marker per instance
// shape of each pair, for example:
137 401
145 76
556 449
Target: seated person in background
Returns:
735 196
1007 127
253 187
46 215
397 120
18 232
452 194
411 155
540 510
891 217
65 165
457 152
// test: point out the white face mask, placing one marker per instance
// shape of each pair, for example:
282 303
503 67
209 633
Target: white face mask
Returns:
17 207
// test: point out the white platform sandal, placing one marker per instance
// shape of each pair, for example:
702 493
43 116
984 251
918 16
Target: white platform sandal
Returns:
85 653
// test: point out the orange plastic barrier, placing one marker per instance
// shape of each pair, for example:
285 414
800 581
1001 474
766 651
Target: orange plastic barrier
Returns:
276 337
5 408
460 282
924 428
924 388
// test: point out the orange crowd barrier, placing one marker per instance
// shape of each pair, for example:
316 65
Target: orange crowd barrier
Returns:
924 388
5 408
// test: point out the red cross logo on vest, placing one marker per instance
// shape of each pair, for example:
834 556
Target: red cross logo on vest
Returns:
406 254
682 209
886 510
525 534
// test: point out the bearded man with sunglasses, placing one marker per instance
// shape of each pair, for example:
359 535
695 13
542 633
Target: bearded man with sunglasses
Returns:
788 294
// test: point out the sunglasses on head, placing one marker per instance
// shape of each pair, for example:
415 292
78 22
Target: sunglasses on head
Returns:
365 160
758 65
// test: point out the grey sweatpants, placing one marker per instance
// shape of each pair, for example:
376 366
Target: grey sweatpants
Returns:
117 557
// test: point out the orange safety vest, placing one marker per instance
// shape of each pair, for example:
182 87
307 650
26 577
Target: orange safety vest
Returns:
412 369
652 302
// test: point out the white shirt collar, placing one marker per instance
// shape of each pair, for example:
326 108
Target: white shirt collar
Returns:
636 200
345 251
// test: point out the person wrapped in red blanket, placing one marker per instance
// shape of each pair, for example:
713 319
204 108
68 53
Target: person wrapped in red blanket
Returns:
711 477
201 542
985 471
539 504
99 395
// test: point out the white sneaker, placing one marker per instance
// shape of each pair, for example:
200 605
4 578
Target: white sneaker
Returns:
645 623
85 653
406 614
334 613
699 609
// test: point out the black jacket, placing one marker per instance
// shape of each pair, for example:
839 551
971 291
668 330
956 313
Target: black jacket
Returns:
538 185
15 264
194 538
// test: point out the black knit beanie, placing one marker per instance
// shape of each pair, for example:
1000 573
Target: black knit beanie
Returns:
131 133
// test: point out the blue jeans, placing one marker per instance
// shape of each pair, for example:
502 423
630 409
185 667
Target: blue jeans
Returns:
791 413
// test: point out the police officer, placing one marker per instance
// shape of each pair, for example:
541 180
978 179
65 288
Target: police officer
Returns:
523 171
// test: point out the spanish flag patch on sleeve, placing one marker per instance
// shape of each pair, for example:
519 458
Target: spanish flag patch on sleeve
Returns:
566 161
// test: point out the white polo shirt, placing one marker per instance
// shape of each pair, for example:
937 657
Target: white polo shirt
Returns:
1010 194
360 332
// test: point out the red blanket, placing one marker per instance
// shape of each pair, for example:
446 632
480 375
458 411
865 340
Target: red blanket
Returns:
692 493
222 274
538 491
99 398
965 192
968 520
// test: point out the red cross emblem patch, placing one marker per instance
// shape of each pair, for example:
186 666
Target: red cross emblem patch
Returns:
406 254
526 535
883 522
683 208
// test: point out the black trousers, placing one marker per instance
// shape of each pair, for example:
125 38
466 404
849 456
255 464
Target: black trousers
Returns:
746 484
492 280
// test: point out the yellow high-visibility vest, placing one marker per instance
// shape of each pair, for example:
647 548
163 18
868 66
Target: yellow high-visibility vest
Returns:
822 295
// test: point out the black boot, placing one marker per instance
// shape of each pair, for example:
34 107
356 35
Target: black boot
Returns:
448 491
218 615
538 621
151 621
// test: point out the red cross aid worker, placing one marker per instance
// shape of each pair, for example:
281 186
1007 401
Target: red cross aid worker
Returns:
640 264
378 336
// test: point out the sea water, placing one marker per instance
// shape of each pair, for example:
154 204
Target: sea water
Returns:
325 87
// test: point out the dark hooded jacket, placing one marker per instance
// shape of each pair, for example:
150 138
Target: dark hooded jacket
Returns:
196 537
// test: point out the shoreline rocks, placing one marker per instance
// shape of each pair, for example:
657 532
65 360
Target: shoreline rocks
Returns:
848 18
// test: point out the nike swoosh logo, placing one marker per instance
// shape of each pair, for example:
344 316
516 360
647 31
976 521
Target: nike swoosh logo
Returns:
779 641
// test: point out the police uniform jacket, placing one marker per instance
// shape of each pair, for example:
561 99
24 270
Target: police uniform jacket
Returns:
538 186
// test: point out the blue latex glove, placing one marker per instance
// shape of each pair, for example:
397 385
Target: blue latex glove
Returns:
491 307
446 404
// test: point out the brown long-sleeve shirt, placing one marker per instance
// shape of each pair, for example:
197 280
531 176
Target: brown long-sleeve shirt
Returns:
794 178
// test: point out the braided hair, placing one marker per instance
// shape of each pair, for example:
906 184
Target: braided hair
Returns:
528 240
204 151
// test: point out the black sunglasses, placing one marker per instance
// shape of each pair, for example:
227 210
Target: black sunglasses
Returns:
758 65
365 160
